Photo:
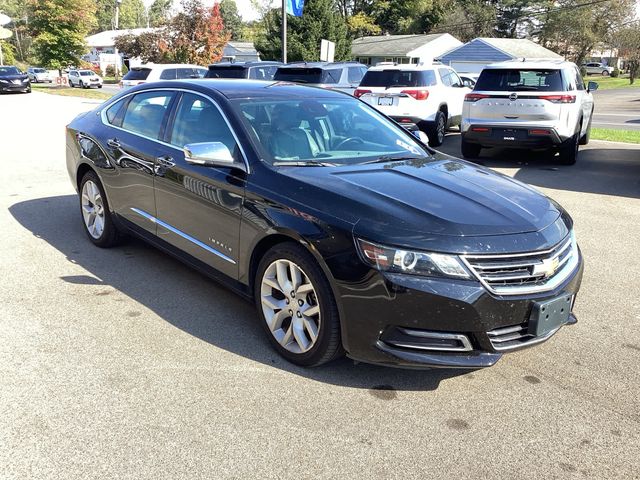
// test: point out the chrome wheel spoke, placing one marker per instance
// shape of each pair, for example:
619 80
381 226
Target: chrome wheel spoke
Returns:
272 303
282 271
304 289
311 328
311 310
277 319
286 338
300 337
296 276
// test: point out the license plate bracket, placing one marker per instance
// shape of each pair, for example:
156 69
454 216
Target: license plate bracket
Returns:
386 101
549 315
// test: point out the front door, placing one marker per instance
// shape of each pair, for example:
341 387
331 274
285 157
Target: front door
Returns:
199 208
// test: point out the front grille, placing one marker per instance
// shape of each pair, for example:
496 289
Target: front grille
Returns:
523 273
505 338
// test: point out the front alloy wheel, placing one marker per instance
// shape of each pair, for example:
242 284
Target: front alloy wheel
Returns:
297 307
92 209
290 306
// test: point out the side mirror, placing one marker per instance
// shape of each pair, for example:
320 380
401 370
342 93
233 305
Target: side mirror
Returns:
592 86
420 135
209 154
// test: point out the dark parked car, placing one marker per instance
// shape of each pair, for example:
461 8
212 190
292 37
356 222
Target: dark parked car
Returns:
350 234
13 80
342 76
251 70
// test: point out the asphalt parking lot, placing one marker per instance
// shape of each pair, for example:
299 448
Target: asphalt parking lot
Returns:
124 363
617 109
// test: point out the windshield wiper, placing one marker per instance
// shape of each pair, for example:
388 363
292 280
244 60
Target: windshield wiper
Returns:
388 158
302 163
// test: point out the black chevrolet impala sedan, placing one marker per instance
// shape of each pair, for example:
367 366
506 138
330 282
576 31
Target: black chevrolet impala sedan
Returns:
348 232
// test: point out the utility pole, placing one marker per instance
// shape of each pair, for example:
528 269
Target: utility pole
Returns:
284 31
115 50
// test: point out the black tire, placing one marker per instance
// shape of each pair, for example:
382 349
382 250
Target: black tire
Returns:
605 73
470 150
569 150
437 129
328 345
99 86
81 84
110 236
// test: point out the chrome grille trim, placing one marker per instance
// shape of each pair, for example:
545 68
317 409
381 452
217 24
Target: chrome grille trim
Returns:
524 273
516 336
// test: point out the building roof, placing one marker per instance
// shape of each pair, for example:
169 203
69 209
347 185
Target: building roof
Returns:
106 38
385 45
233 49
520 48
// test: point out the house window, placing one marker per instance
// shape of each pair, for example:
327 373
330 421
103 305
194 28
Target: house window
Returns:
402 60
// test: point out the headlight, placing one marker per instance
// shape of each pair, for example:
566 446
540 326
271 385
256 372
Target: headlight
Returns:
391 259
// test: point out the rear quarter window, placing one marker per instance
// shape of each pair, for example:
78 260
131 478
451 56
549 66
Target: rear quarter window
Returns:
509 80
169 74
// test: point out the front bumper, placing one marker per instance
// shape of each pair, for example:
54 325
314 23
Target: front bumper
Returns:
13 87
513 137
388 313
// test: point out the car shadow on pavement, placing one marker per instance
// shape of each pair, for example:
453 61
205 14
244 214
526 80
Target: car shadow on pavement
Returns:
192 302
602 171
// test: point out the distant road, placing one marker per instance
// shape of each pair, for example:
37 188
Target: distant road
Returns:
617 108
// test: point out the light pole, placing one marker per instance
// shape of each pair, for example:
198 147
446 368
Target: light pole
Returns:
284 31
115 49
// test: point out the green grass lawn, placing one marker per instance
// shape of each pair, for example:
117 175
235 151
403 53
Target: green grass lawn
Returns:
608 83
73 92
626 136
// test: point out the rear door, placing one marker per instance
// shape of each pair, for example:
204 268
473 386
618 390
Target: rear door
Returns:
134 127
518 96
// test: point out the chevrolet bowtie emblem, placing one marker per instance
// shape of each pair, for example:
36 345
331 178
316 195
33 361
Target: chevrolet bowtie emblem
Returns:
547 268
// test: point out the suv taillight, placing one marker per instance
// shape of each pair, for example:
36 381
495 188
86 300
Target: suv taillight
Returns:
417 94
474 97
359 92
559 98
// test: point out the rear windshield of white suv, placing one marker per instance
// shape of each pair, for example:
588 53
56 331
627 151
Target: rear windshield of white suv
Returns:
137 74
509 80
399 78
308 75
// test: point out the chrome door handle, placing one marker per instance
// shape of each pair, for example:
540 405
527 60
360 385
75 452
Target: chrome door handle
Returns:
163 164
114 143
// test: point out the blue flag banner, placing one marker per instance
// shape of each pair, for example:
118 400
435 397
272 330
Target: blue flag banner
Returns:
294 7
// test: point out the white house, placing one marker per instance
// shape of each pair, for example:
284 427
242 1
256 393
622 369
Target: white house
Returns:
402 48
102 47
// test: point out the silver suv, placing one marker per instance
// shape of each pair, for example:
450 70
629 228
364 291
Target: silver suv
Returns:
529 105
343 76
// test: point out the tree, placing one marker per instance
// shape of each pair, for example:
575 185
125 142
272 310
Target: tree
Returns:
469 19
159 12
149 46
405 16
628 44
231 19
319 20
8 53
21 40
59 28
132 14
362 25
573 30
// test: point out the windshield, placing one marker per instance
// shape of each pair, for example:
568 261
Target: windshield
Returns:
85 73
338 131
39 70
226 72
509 80
398 78
308 75
137 74
9 71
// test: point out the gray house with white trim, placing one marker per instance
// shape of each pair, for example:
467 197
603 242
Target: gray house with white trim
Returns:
473 56
402 48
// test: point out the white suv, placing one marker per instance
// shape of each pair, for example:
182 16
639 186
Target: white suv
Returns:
153 72
84 79
428 97
528 105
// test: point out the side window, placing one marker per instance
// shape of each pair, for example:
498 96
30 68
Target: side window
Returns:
145 113
113 111
579 80
355 75
168 74
455 79
444 76
332 76
198 120
186 73
259 73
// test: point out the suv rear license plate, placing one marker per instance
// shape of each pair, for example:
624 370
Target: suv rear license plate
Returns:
550 315
385 101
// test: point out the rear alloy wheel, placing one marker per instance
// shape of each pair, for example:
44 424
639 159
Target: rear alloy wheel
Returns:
297 307
437 131
470 150
96 217
605 73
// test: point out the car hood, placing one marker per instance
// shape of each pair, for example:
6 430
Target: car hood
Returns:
14 77
441 196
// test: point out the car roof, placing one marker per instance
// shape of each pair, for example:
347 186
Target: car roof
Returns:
166 65
531 64
407 66
321 64
241 88
255 63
